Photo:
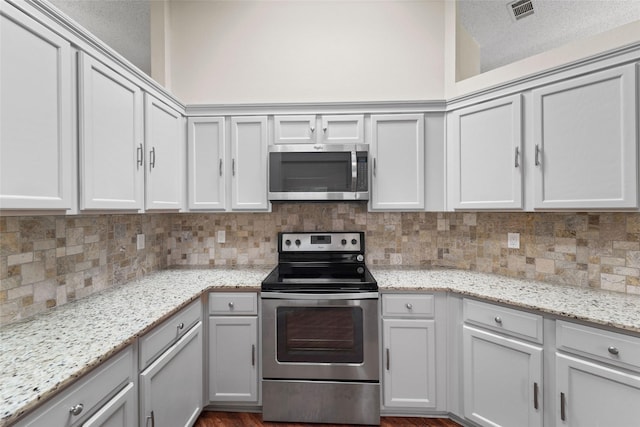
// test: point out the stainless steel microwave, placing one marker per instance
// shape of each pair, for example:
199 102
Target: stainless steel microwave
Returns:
319 172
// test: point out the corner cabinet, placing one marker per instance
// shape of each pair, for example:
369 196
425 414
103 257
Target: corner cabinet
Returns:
37 154
502 366
484 155
409 351
164 146
585 136
397 162
233 347
111 138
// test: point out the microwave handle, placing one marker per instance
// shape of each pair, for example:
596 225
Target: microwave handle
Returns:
354 170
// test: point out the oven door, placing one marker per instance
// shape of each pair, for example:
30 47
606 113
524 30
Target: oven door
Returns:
320 336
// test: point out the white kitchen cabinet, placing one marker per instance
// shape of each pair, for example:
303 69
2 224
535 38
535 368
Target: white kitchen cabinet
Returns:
408 351
164 146
298 129
484 155
397 162
249 163
171 387
111 138
105 397
585 141
502 379
233 347
37 155
333 129
206 152
342 129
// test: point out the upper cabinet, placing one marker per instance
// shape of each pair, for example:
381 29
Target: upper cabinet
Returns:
585 141
334 129
484 155
164 149
249 163
397 159
111 138
37 154
206 163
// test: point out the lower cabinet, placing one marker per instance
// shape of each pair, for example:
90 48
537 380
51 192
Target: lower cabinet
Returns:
409 354
118 412
171 387
233 347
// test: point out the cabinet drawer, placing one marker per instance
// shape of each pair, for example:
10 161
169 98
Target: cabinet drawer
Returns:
167 333
599 344
85 395
512 322
413 305
229 303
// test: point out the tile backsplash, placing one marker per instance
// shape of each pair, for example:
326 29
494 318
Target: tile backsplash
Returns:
47 261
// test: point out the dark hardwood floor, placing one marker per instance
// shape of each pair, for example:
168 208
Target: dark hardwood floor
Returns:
246 419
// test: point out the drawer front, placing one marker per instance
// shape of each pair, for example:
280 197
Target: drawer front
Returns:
85 395
230 303
163 336
599 344
508 321
411 305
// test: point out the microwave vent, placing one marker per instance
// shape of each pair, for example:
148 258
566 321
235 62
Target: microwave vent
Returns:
520 9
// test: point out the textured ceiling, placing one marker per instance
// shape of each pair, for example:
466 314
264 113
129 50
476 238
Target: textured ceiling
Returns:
124 25
554 23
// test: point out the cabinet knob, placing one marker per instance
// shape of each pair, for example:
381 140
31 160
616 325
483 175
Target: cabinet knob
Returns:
231 304
613 350
409 306
313 129
498 320
76 409
180 325
324 129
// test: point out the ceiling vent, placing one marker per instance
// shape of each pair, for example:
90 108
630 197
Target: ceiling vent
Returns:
520 9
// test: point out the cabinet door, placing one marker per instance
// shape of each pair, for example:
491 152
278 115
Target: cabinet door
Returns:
111 140
233 359
295 129
502 380
205 163
120 411
585 135
249 163
409 371
590 394
484 155
171 387
343 129
37 165
164 143
397 153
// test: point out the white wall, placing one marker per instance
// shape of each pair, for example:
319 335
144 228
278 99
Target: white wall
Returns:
256 51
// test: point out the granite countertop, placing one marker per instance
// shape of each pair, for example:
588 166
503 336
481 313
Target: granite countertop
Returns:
45 353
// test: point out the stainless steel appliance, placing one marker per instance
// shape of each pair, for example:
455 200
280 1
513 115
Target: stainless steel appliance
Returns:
320 357
318 172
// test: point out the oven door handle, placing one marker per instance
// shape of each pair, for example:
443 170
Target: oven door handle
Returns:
314 296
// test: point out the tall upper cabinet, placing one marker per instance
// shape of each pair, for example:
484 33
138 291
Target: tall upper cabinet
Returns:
111 138
585 141
37 155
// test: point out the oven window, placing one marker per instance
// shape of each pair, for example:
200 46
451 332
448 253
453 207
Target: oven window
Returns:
320 334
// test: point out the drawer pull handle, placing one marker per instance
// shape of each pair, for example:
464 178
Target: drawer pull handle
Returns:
151 418
613 350
409 306
535 396
563 413
498 320
231 305
180 325
76 409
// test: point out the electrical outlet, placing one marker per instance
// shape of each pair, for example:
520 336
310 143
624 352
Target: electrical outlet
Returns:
221 236
513 240
140 241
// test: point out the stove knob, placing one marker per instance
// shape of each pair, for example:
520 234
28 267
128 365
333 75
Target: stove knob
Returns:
344 242
360 270
354 241
287 242
360 257
298 242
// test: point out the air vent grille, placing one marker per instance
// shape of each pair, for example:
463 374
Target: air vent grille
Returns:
520 9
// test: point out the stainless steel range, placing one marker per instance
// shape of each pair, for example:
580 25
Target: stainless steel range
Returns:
320 360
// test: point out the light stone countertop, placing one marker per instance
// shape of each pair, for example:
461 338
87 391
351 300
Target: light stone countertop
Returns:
43 354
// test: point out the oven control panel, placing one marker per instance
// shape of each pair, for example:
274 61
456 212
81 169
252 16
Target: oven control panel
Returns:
321 242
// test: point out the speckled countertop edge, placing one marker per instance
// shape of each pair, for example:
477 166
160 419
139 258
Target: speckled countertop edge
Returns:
65 350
